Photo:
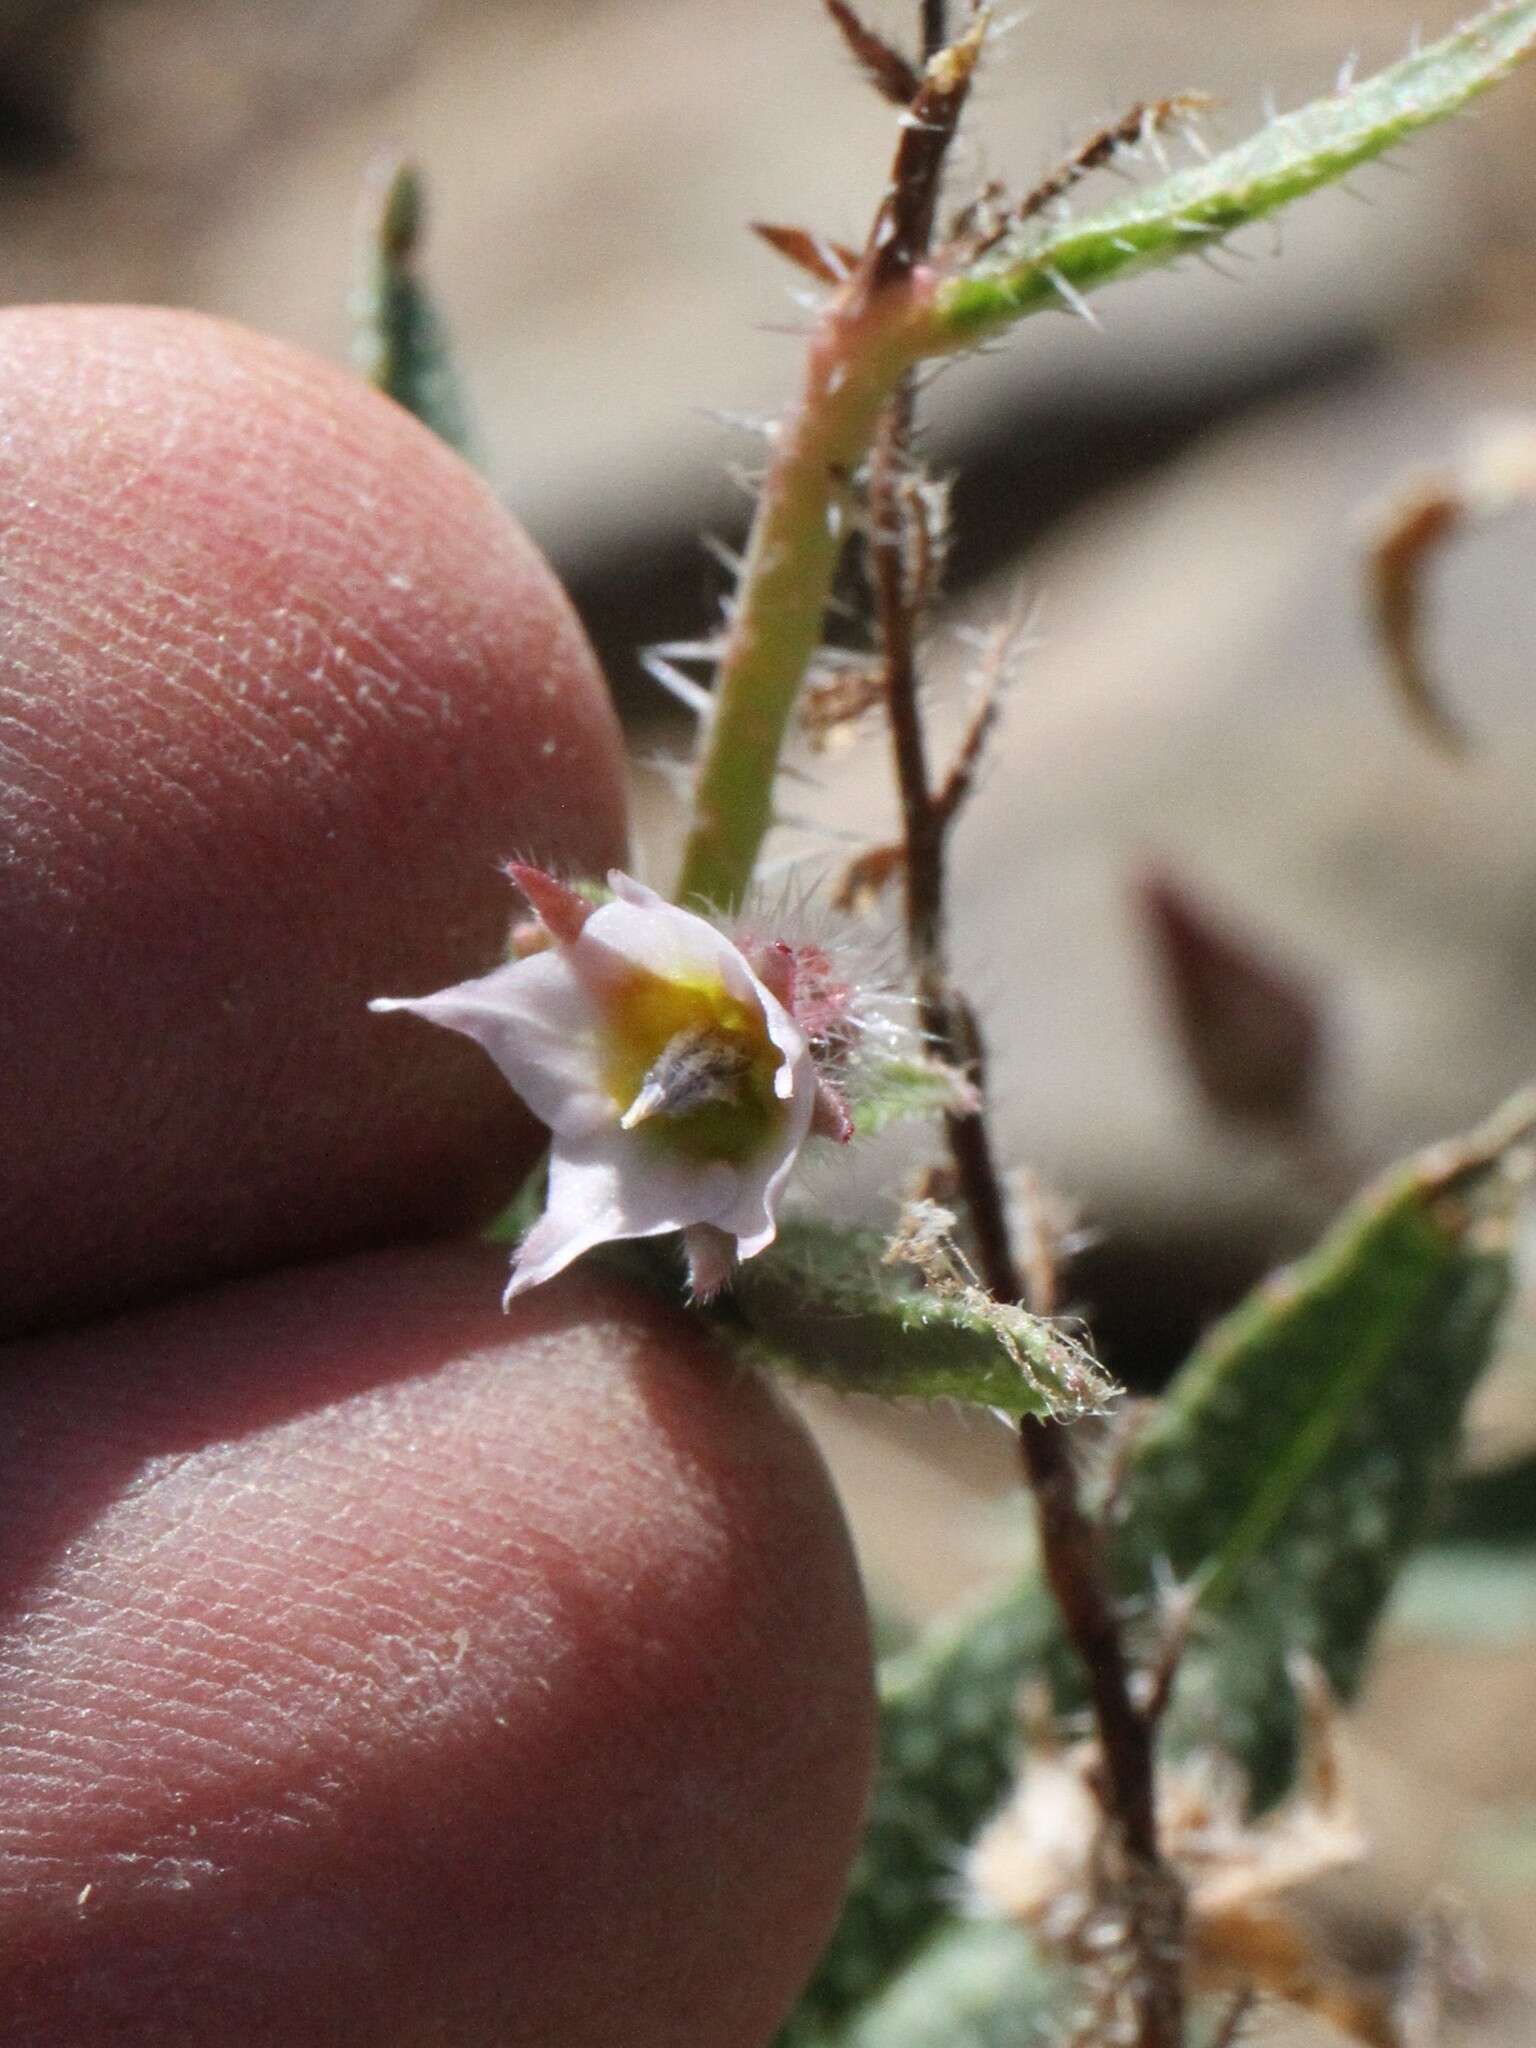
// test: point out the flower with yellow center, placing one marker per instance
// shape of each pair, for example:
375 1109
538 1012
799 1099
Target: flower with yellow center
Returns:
675 1082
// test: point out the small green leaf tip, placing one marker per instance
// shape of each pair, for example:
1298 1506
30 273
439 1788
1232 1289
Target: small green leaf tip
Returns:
900 1090
831 1305
401 215
1293 155
399 342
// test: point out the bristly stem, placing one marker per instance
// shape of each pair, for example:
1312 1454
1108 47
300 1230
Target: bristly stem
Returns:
860 348
1071 1546
867 339
1197 208
879 324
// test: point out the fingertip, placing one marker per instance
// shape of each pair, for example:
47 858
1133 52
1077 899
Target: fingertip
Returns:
281 682
381 1670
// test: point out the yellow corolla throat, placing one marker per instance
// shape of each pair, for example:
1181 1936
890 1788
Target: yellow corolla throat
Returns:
690 1066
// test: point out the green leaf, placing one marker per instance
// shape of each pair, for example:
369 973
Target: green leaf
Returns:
1493 1506
399 342
1299 1455
1291 156
1292 1468
892 1091
978 1984
826 1305
948 1741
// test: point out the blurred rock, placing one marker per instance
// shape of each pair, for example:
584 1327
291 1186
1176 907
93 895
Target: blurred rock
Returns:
592 170
1205 699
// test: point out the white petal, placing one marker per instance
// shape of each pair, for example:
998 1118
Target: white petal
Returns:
581 1211
540 1024
606 1186
650 933
628 890
760 1182
663 940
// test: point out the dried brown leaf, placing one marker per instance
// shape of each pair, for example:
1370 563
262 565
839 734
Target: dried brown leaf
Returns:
1410 528
865 880
1145 119
831 262
991 681
831 702
1415 527
1250 1029
1043 1863
887 70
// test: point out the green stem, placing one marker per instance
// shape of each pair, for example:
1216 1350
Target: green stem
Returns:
861 348
868 339
1293 155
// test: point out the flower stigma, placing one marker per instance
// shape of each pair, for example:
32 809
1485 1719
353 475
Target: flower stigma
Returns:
697 1058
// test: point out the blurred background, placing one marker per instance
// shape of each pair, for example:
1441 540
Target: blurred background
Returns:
1181 498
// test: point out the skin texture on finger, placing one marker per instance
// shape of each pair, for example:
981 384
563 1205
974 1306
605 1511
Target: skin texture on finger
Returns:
280 684
380 1671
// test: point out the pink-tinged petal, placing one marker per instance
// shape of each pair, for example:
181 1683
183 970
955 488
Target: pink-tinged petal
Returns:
547 1021
831 1117
560 909
540 1024
774 966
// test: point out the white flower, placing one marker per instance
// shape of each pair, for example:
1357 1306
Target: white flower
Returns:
675 1081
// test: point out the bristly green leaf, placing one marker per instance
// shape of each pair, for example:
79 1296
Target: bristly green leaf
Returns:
827 1305
1290 157
893 1091
1291 1472
1299 1456
399 342
949 1733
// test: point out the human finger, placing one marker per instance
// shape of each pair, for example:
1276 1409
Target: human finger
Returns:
380 1670
280 683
